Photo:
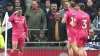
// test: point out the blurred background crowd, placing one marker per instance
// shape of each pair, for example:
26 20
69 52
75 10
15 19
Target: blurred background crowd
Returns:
47 14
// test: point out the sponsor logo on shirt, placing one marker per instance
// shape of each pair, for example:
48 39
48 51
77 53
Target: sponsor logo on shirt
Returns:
19 21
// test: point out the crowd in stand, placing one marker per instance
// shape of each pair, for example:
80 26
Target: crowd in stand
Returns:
47 14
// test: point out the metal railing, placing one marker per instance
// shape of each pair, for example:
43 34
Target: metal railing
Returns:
46 43
37 29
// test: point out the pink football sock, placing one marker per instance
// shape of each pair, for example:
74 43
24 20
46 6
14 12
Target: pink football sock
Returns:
20 53
11 53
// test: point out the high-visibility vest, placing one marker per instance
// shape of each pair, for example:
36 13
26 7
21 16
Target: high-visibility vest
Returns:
1 41
1 38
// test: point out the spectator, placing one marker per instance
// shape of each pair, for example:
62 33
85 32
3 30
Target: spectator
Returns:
23 5
81 1
63 3
9 35
43 1
18 4
98 37
91 35
52 11
91 10
40 4
92 45
96 21
47 5
41 38
1 41
65 8
35 19
4 3
28 3
96 24
1 37
9 9
57 30
97 4
58 2
50 14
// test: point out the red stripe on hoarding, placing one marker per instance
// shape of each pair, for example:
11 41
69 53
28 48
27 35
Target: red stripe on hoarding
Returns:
51 52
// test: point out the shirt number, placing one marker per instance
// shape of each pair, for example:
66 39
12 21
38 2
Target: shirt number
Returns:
84 24
73 19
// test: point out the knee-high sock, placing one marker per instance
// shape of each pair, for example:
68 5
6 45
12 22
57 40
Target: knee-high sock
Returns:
20 53
11 53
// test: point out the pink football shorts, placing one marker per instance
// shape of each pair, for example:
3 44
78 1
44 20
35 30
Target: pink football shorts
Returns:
71 39
19 38
82 40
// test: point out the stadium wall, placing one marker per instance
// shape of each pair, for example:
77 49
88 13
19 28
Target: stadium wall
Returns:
50 52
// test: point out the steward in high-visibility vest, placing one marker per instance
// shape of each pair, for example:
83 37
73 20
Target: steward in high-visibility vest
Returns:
1 38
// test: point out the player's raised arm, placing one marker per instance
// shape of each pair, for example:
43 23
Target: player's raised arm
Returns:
11 19
89 20
64 19
26 28
73 24
89 27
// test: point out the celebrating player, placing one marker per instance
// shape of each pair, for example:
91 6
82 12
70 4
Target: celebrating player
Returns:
82 25
19 32
71 32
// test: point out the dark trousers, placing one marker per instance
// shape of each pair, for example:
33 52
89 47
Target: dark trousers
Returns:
9 37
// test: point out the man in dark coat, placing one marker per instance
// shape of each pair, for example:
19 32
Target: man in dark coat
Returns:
61 29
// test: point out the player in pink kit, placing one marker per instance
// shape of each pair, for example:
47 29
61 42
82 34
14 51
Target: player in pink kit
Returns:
71 32
82 25
20 31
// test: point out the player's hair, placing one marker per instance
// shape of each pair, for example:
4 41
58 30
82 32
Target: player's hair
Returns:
82 6
18 8
72 4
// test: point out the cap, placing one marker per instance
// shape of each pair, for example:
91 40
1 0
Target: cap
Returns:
9 4
41 31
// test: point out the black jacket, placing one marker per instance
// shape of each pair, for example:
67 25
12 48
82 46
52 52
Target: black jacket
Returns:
62 31
9 14
92 12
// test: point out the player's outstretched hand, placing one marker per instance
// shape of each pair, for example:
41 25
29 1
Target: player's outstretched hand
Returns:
72 24
15 12
66 41
27 39
63 21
